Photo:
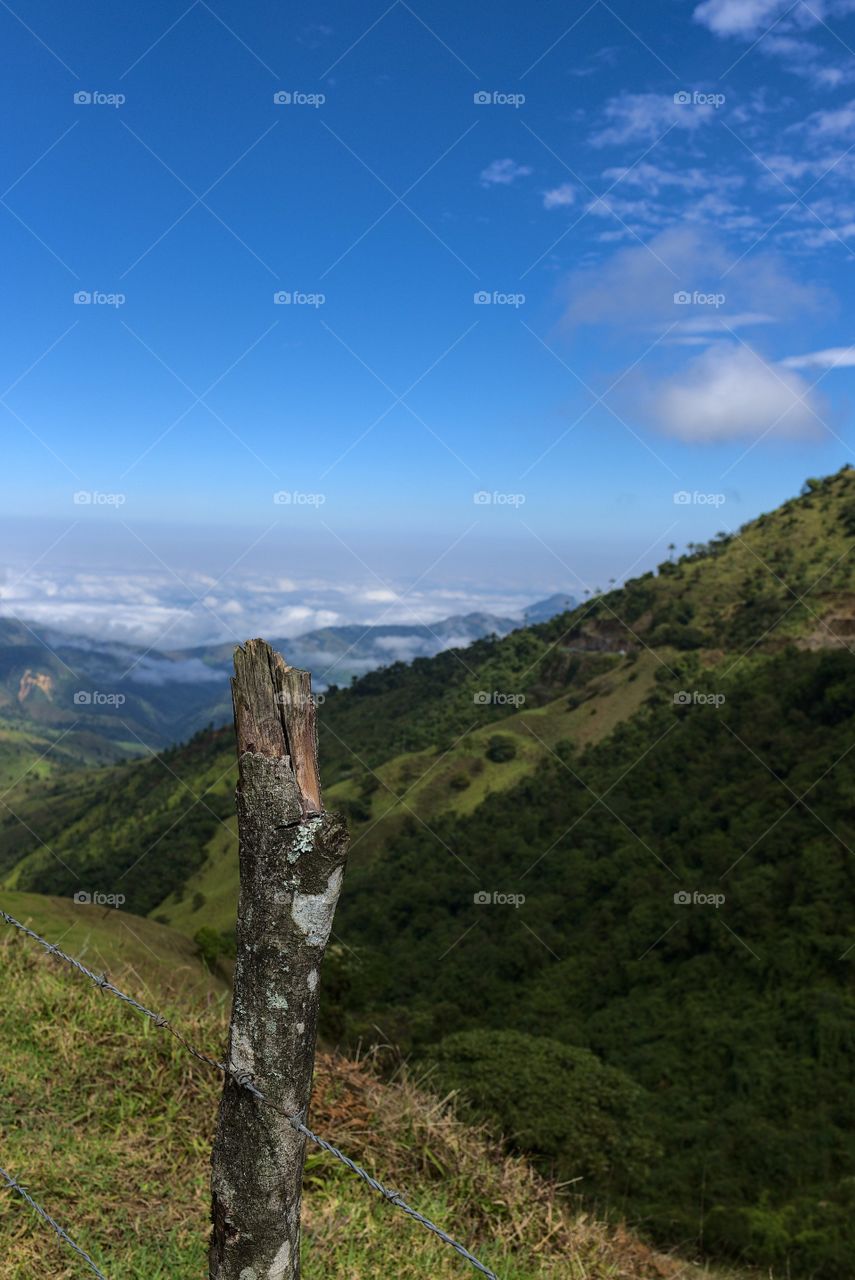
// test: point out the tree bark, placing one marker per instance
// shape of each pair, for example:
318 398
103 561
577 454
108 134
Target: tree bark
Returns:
292 857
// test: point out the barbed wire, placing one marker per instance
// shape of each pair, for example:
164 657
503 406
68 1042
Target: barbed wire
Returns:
245 1081
394 1198
43 1213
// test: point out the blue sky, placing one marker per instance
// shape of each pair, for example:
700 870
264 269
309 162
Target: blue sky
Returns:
657 201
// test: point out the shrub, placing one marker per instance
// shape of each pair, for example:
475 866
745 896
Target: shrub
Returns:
212 945
573 1113
501 748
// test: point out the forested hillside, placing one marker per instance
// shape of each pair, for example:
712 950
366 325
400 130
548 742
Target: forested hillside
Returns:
693 929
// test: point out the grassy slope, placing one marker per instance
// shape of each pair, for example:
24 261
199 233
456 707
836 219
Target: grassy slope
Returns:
31 755
422 783
128 828
156 799
217 882
107 940
753 578
110 1124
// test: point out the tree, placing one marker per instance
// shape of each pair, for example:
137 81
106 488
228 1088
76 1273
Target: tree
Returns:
581 1118
501 748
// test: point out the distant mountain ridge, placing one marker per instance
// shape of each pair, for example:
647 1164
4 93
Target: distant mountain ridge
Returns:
336 654
546 610
127 699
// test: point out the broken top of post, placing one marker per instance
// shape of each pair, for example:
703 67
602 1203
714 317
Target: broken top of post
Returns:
275 716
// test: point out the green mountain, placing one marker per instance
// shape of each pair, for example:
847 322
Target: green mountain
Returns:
66 702
600 866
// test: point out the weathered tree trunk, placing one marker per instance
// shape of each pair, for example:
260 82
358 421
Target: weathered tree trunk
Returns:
292 857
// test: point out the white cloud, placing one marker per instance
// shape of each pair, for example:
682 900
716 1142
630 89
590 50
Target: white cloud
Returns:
707 198
776 27
152 608
503 172
748 18
830 358
636 286
653 178
613 206
829 124
822 223
609 56
808 59
647 116
713 323
739 17
729 392
559 197
791 169
379 595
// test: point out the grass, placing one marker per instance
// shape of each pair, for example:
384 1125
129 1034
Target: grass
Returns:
423 783
211 893
425 780
109 1123
109 940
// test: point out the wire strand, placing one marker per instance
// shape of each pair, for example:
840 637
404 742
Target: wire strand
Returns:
43 1213
245 1082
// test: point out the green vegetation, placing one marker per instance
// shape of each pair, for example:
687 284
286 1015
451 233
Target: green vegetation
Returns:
110 940
110 1124
501 748
214 946
136 829
735 1015
580 1119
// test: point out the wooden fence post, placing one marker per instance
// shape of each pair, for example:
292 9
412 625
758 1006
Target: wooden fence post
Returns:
292 858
